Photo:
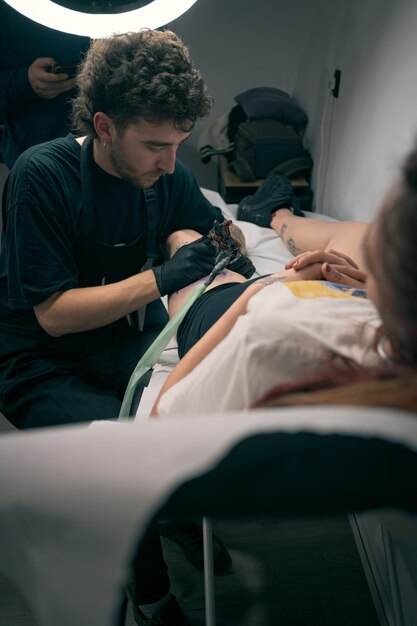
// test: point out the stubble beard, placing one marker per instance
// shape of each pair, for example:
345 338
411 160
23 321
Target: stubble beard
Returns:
127 172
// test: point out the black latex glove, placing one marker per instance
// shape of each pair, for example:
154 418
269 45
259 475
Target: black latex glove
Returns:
242 265
191 262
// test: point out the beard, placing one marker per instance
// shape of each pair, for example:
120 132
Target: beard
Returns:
127 172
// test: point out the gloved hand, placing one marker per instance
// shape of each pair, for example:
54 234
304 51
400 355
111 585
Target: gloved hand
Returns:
191 262
242 265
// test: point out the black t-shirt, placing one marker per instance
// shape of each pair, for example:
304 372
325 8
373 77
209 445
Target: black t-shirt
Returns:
42 212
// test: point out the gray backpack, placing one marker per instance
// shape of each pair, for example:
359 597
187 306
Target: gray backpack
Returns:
266 146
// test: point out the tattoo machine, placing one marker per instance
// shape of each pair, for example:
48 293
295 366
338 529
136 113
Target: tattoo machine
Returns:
221 236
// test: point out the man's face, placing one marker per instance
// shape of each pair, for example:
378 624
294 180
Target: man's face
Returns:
145 152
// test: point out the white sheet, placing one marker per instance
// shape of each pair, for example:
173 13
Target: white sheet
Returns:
74 500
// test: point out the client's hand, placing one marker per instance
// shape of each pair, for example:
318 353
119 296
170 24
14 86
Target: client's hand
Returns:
335 266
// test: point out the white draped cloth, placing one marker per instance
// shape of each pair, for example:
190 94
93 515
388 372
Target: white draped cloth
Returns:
75 500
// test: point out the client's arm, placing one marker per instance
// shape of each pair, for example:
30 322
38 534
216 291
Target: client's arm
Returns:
307 266
224 325
210 340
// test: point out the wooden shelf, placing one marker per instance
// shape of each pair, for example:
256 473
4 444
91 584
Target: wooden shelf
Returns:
232 189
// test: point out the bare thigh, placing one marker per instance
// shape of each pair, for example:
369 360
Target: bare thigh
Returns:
176 300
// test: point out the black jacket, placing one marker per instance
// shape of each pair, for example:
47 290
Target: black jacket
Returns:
28 119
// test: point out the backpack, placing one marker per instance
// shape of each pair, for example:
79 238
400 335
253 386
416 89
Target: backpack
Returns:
262 134
265 146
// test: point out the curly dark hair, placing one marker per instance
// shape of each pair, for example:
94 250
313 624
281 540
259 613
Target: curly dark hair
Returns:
147 75
397 228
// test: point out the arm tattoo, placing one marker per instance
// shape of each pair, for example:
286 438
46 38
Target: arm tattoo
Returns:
269 280
290 243
292 247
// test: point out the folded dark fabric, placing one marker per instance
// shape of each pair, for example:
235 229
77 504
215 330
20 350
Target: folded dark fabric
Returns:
270 102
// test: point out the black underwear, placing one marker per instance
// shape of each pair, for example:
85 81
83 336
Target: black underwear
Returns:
206 311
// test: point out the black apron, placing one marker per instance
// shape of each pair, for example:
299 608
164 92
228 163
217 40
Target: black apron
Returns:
100 263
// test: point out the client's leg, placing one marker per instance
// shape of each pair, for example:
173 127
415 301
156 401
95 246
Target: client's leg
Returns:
301 234
174 242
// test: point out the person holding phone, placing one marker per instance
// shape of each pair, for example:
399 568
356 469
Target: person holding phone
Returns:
34 95
70 71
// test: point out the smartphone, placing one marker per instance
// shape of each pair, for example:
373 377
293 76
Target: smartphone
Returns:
71 70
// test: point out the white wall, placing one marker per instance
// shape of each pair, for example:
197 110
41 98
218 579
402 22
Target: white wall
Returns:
296 45
374 121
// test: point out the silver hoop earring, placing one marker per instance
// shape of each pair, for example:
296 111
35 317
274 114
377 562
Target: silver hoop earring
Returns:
380 348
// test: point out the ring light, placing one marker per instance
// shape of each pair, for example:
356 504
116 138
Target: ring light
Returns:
101 18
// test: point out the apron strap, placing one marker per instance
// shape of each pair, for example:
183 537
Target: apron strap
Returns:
140 313
86 175
151 203
152 252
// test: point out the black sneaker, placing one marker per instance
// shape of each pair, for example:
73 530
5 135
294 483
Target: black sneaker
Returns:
189 536
276 192
168 615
